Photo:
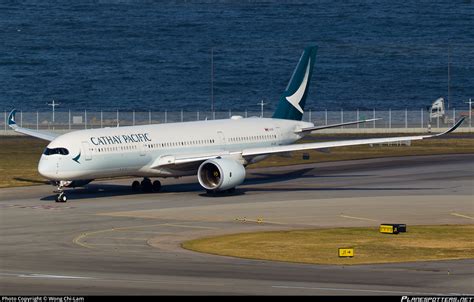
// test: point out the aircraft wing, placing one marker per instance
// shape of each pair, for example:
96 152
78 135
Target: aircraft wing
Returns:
48 136
183 159
170 160
309 129
323 145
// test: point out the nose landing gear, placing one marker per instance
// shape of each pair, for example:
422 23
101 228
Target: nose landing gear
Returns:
61 197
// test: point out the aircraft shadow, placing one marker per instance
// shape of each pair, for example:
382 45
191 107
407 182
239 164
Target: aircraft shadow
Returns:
94 190
110 190
332 189
261 178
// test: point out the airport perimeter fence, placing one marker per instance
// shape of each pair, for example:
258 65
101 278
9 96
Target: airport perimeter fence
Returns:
389 120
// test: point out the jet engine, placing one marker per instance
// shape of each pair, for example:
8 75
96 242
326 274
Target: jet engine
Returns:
220 174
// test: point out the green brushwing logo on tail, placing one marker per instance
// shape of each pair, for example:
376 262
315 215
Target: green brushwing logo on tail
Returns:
11 118
292 101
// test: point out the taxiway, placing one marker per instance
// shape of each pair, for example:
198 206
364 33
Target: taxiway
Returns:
107 240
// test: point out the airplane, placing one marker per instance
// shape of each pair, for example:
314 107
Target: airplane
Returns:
216 151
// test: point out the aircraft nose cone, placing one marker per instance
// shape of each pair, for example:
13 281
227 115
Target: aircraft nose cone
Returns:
47 169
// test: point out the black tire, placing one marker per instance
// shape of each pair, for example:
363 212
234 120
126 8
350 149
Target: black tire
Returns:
147 186
156 186
136 186
61 198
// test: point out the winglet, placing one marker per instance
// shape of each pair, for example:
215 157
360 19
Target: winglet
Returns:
11 119
35 133
453 127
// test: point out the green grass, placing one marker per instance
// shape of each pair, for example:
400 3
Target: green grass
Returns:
19 158
19 155
320 246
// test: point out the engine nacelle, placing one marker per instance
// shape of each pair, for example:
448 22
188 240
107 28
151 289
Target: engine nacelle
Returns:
219 174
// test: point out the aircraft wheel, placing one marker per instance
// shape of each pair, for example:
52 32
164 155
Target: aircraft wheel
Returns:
61 198
136 186
156 186
147 186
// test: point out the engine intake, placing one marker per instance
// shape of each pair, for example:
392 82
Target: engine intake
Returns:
219 174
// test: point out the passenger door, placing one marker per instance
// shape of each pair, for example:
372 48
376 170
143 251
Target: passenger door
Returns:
221 140
86 150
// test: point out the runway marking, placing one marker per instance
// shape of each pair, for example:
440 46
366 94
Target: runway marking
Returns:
36 207
358 290
463 216
124 238
78 239
149 232
51 276
118 245
189 226
358 218
260 220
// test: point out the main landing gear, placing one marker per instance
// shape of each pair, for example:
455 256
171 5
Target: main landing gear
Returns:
146 185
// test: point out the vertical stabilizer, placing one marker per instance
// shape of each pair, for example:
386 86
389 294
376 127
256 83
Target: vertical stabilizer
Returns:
292 101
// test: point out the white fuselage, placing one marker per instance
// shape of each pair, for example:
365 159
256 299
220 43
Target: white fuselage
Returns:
136 150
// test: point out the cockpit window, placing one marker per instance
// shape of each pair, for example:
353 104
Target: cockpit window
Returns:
62 151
